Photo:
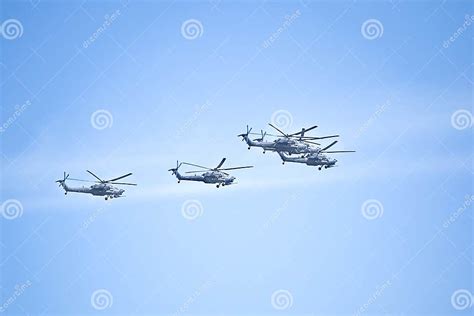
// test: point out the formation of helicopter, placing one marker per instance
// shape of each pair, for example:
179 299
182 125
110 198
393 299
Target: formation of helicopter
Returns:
296 148
297 143
284 144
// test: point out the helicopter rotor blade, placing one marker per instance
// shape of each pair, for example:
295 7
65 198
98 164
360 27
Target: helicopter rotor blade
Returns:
304 130
310 142
74 179
95 176
220 163
309 129
191 164
194 171
124 176
278 129
322 137
123 183
329 146
339 151
266 134
235 168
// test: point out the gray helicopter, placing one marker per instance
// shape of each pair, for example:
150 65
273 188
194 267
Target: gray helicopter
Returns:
316 158
296 143
102 188
212 175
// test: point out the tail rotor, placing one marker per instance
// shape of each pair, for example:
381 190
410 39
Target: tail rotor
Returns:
261 138
65 177
175 170
61 181
245 134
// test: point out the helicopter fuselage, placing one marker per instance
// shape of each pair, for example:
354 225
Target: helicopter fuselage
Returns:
100 189
213 177
291 146
319 160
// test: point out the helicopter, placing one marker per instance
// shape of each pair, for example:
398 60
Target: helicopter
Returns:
316 158
102 188
212 175
296 143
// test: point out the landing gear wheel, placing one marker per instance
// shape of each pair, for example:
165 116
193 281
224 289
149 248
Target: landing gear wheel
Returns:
106 198
179 181
65 193
283 163
248 148
217 186
319 168
325 167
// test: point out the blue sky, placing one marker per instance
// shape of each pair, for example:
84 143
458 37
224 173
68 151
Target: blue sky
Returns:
284 240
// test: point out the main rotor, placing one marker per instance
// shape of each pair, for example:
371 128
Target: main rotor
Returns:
326 151
218 168
99 180
300 136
